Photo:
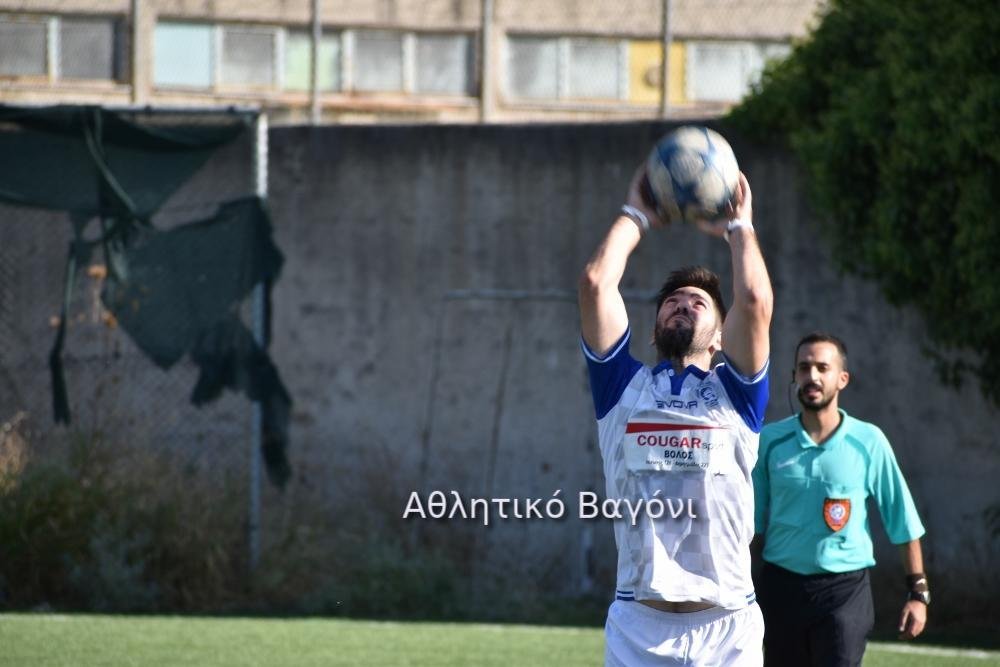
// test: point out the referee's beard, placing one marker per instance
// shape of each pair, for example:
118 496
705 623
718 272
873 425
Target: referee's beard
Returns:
815 404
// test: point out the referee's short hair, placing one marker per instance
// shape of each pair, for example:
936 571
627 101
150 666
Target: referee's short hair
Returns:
823 337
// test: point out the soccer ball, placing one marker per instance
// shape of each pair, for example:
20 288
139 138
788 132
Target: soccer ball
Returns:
691 175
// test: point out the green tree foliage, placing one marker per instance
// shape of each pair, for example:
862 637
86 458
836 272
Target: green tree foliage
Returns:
893 110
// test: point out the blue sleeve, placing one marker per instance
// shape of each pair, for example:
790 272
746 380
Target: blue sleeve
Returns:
887 486
748 394
610 374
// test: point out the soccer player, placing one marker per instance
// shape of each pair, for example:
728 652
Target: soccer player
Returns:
813 474
682 434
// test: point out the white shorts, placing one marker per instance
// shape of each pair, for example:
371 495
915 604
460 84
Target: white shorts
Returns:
637 635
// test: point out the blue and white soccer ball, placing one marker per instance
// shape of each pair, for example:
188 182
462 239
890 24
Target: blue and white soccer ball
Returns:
692 174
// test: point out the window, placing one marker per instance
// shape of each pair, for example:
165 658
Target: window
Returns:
87 48
567 68
724 71
533 67
248 56
275 58
200 55
718 71
23 46
298 61
597 68
408 62
183 55
443 64
58 48
378 61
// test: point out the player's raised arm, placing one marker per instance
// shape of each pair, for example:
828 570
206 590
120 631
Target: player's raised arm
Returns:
745 333
602 309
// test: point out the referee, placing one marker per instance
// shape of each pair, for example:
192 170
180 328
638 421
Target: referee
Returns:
814 472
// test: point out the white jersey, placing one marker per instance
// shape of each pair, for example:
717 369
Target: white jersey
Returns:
690 441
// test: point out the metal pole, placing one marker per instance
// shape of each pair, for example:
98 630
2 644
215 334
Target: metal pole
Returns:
667 37
317 33
137 93
259 335
487 71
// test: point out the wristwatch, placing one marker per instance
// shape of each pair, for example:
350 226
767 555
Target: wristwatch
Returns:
920 596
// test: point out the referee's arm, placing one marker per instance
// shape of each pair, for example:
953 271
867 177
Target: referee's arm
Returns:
914 615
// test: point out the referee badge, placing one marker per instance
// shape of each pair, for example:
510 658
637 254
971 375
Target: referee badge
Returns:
836 512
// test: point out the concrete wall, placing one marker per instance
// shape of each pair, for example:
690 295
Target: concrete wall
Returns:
426 325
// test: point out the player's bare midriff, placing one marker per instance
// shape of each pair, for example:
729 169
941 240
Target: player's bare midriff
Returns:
686 607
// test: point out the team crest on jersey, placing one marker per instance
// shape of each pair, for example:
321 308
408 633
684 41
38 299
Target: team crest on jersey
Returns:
836 512
707 393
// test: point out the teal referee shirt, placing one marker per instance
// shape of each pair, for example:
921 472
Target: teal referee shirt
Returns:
810 499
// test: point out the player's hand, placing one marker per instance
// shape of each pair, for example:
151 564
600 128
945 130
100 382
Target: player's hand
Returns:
742 205
740 208
636 198
913 619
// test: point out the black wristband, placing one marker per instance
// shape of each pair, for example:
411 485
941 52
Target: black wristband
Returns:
917 582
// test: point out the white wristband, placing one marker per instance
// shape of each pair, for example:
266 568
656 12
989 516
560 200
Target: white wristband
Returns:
738 222
638 216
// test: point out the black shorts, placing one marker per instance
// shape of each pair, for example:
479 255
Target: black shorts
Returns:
818 620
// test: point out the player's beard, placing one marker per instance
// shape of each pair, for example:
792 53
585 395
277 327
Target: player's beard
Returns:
814 405
680 341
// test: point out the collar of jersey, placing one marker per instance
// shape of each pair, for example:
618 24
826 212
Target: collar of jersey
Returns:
677 380
805 441
694 370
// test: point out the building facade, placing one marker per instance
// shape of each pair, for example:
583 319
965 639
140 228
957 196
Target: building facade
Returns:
397 60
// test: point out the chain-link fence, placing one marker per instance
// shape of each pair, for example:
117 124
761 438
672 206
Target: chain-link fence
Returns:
117 329
113 386
343 60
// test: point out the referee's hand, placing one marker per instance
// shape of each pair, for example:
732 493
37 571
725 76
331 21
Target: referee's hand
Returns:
913 619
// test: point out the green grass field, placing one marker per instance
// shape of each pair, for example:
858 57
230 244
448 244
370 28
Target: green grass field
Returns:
39 640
